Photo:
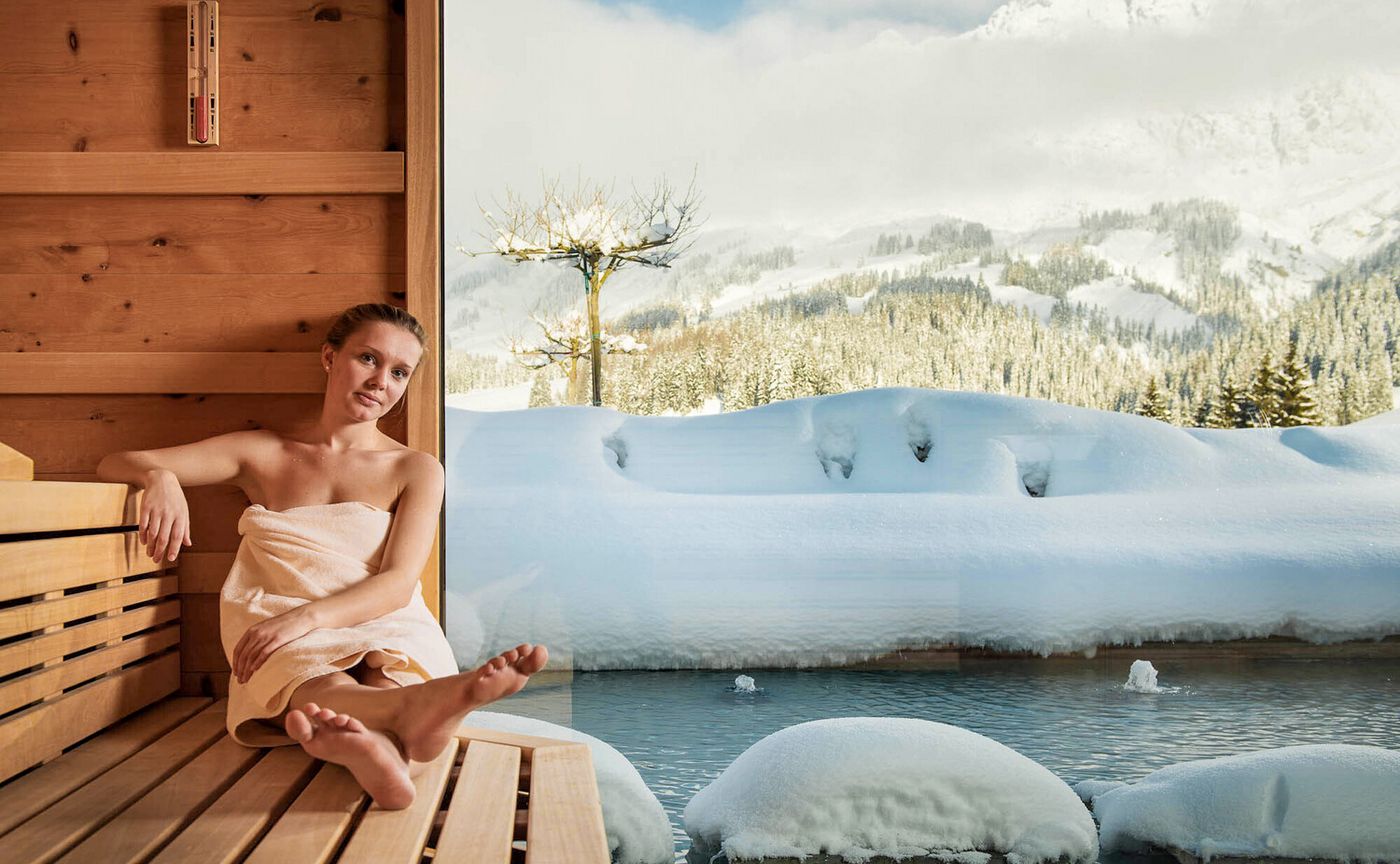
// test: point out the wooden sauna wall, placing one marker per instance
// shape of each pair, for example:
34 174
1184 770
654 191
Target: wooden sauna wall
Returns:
117 310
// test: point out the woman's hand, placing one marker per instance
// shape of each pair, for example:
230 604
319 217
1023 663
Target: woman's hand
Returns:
264 637
165 516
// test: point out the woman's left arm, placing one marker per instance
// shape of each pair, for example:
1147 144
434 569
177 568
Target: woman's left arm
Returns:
405 554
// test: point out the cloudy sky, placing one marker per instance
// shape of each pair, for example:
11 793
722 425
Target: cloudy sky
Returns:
827 113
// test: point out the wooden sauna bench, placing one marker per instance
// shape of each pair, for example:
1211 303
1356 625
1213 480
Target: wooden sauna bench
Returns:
102 759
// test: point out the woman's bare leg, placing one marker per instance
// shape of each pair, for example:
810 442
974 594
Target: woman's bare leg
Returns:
371 755
419 719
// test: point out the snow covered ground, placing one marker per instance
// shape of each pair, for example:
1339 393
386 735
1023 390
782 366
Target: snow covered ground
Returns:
808 532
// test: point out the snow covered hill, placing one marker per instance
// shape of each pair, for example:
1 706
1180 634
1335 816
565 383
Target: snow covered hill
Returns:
836 528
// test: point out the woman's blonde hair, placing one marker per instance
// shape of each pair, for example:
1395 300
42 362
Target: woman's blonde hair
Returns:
355 317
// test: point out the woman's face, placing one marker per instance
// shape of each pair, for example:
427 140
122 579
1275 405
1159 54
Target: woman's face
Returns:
370 373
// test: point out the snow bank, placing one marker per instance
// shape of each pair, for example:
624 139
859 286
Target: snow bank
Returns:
637 828
1334 801
857 787
809 531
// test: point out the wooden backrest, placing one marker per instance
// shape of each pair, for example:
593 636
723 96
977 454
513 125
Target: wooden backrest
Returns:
89 623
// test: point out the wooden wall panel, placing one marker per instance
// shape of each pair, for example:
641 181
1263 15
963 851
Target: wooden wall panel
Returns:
69 434
151 312
294 76
259 36
114 112
202 234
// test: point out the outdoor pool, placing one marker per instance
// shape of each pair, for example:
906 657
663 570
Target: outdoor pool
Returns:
682 728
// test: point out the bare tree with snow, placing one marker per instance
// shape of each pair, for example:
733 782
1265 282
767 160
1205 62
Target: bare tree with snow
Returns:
597 235
567 340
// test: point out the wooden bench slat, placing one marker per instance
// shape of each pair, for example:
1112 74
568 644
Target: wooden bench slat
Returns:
55 505
526 743
53 679
40 733
53 831
32 567
566 821
36 650
60 610
25 796
143 828
398 836
224 832
480 821
14 465
313 827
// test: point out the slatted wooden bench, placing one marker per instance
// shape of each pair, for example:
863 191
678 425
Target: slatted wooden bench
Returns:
102 759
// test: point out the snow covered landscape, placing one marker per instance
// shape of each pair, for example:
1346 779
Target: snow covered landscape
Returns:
889 400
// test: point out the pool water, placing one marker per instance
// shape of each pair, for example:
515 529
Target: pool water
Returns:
682 728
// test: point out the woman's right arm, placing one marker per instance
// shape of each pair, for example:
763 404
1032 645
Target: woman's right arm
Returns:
165 515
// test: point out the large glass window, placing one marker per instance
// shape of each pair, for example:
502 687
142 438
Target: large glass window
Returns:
1024 368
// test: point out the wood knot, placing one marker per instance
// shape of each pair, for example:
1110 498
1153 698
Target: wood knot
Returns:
247 57
330 13
159 241
87 277
73 41
80 145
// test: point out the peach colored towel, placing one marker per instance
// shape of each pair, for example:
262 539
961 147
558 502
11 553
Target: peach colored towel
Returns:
290 557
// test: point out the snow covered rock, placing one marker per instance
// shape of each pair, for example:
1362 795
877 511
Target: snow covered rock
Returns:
1331 801
857 787
637 828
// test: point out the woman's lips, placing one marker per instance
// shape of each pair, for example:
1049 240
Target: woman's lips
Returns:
366 400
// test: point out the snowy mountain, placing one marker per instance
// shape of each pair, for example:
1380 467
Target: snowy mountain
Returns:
1051 19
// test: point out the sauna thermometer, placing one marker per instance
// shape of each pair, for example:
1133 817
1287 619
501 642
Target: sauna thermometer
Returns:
202 126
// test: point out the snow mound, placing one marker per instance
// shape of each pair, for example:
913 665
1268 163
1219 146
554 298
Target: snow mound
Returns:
1088 790
857 787
1333 801
636 825
837 528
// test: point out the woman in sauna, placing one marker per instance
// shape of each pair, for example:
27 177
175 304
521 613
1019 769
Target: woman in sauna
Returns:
322 609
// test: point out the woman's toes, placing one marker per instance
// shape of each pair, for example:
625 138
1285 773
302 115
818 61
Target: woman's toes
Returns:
298 726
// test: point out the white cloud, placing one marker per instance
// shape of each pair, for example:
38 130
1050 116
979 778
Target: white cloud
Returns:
808 111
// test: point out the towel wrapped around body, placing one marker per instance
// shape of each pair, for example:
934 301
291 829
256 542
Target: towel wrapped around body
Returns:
288 558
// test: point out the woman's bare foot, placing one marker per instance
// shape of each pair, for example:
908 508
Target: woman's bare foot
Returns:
367 753
433 710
